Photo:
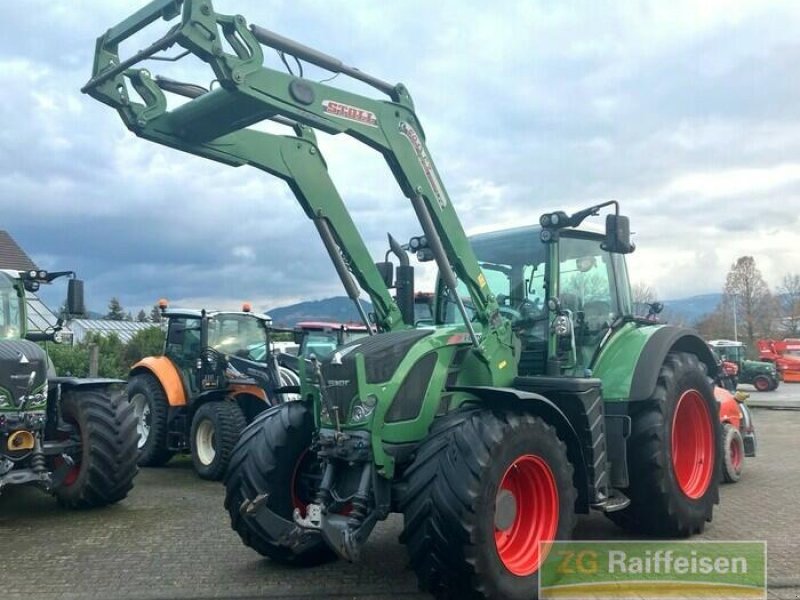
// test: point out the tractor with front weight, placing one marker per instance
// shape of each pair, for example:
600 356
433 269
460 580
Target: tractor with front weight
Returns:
216 374
536 395
73 438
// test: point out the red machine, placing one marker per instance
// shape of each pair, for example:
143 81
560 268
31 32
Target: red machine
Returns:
784 354
738 433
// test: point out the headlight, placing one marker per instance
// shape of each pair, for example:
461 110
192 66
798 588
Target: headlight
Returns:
58 337
362 410
562 326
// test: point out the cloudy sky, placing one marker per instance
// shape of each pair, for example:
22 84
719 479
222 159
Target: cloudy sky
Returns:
688 113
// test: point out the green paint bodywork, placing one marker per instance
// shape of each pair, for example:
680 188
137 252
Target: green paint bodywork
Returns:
616 361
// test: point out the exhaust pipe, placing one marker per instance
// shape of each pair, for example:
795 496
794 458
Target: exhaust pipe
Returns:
21 440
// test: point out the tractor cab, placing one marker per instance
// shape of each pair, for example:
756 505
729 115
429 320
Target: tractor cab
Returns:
321 338
570 284
204 345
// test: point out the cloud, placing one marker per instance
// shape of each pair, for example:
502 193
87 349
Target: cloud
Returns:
687 113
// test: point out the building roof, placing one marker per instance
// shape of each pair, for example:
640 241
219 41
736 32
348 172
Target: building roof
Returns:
12 256
124 330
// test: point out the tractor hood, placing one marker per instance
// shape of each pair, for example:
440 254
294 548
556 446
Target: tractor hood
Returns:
23 375
382 355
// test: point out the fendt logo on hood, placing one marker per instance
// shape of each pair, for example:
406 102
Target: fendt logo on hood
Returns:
23 360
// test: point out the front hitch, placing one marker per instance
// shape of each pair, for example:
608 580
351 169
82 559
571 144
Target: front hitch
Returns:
288 534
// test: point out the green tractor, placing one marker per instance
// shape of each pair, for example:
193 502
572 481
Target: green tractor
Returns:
73 438
761 374
535 395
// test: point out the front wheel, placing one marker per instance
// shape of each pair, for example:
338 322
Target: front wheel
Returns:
104 428
216 428
674 456
273 458
484 490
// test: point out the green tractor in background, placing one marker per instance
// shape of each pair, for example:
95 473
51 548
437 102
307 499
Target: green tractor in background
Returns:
73 438
761 374
535 395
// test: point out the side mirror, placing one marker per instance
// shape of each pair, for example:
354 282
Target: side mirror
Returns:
297 336
618 235
386 269
75 303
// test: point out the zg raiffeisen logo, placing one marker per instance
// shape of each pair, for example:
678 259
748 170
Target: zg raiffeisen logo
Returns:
654 570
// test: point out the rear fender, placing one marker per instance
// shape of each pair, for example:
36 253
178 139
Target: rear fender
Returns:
630 362
518 400
165 371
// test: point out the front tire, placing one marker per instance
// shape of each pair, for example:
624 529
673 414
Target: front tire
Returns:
216 428
106 464
273 457
674 455
151 410
484 489
734 453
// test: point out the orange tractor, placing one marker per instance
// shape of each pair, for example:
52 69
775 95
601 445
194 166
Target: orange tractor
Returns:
217 372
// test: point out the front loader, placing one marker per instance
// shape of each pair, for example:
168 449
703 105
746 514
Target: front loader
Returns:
535 395
70 437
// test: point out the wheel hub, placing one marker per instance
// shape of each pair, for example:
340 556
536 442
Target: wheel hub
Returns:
505 510
526 513
692 444
204 442
141 408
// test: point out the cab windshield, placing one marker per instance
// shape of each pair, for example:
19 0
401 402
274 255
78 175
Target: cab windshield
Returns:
321 343
238 335
11 313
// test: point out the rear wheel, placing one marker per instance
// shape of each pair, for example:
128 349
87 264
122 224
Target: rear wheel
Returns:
734 453
105 462
216 428
151 408
484 490
674 456
273 458
762 383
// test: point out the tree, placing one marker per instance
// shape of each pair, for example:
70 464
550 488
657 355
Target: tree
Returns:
147 342
789 291
155 314
115 310
141 317
747 296
643 294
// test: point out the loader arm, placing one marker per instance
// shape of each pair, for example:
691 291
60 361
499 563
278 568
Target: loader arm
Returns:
297 160
249 92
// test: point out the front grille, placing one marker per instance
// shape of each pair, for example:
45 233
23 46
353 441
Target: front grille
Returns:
341 386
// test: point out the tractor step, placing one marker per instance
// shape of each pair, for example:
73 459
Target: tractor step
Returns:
616 501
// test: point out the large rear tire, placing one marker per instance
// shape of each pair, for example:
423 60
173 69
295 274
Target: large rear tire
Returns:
151 409
272 457
106 464
674 453
216 428
484 489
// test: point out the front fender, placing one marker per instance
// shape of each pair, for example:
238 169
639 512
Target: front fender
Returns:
165 371
630 362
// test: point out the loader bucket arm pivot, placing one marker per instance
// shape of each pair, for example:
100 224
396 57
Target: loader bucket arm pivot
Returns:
250 92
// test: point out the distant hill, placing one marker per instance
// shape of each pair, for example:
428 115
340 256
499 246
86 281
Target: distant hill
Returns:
339 309
689 310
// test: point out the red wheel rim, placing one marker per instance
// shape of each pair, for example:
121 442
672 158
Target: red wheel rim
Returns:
530 483
692 444
736 453
297 501
72 475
